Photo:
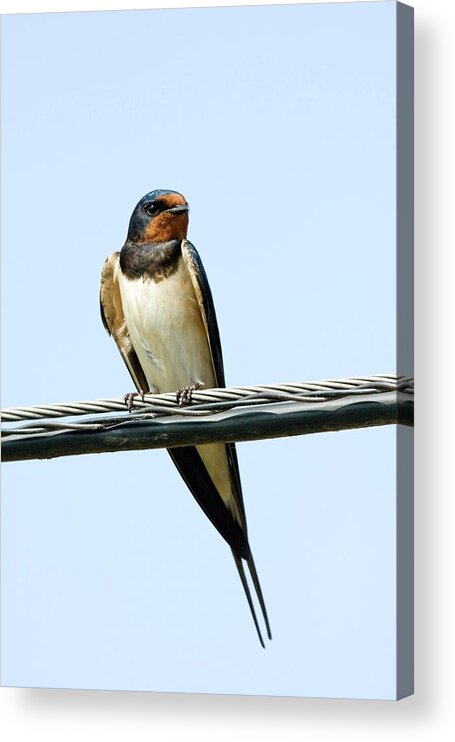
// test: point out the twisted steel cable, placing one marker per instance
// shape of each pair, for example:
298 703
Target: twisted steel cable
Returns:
204 402
214 415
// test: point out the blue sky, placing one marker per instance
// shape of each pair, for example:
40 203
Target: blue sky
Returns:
278 125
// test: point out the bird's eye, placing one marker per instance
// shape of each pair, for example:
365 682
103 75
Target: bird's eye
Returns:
152 208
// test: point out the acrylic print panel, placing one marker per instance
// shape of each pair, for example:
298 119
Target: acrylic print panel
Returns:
279 125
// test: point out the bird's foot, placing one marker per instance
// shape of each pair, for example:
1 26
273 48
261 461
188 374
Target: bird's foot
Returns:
129 399
186 393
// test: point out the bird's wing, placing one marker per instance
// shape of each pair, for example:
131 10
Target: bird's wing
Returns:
205 300
207 308
114 320
182 459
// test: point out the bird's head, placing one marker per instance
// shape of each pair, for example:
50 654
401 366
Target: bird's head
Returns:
160 216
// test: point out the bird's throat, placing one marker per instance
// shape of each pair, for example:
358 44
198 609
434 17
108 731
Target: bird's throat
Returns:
154 260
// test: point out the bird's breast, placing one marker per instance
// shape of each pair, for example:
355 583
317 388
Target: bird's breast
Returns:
166 328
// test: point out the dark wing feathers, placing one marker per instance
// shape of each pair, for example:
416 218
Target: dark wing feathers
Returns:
207 307
204 297
198 481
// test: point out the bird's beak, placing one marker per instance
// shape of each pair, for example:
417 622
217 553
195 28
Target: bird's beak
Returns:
181 209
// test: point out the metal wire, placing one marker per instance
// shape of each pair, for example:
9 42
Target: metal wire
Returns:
204 402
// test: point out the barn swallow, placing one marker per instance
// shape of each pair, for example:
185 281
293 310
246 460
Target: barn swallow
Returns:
157 304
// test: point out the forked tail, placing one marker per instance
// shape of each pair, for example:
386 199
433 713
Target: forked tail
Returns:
257 587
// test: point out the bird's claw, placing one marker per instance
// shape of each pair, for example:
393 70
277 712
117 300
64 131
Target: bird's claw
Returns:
129 399
185 394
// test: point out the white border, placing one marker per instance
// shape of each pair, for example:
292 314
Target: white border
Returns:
84 715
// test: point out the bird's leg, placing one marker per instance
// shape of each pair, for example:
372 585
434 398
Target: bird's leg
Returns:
185 394
129 399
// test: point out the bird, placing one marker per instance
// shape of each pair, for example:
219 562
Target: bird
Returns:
156 303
